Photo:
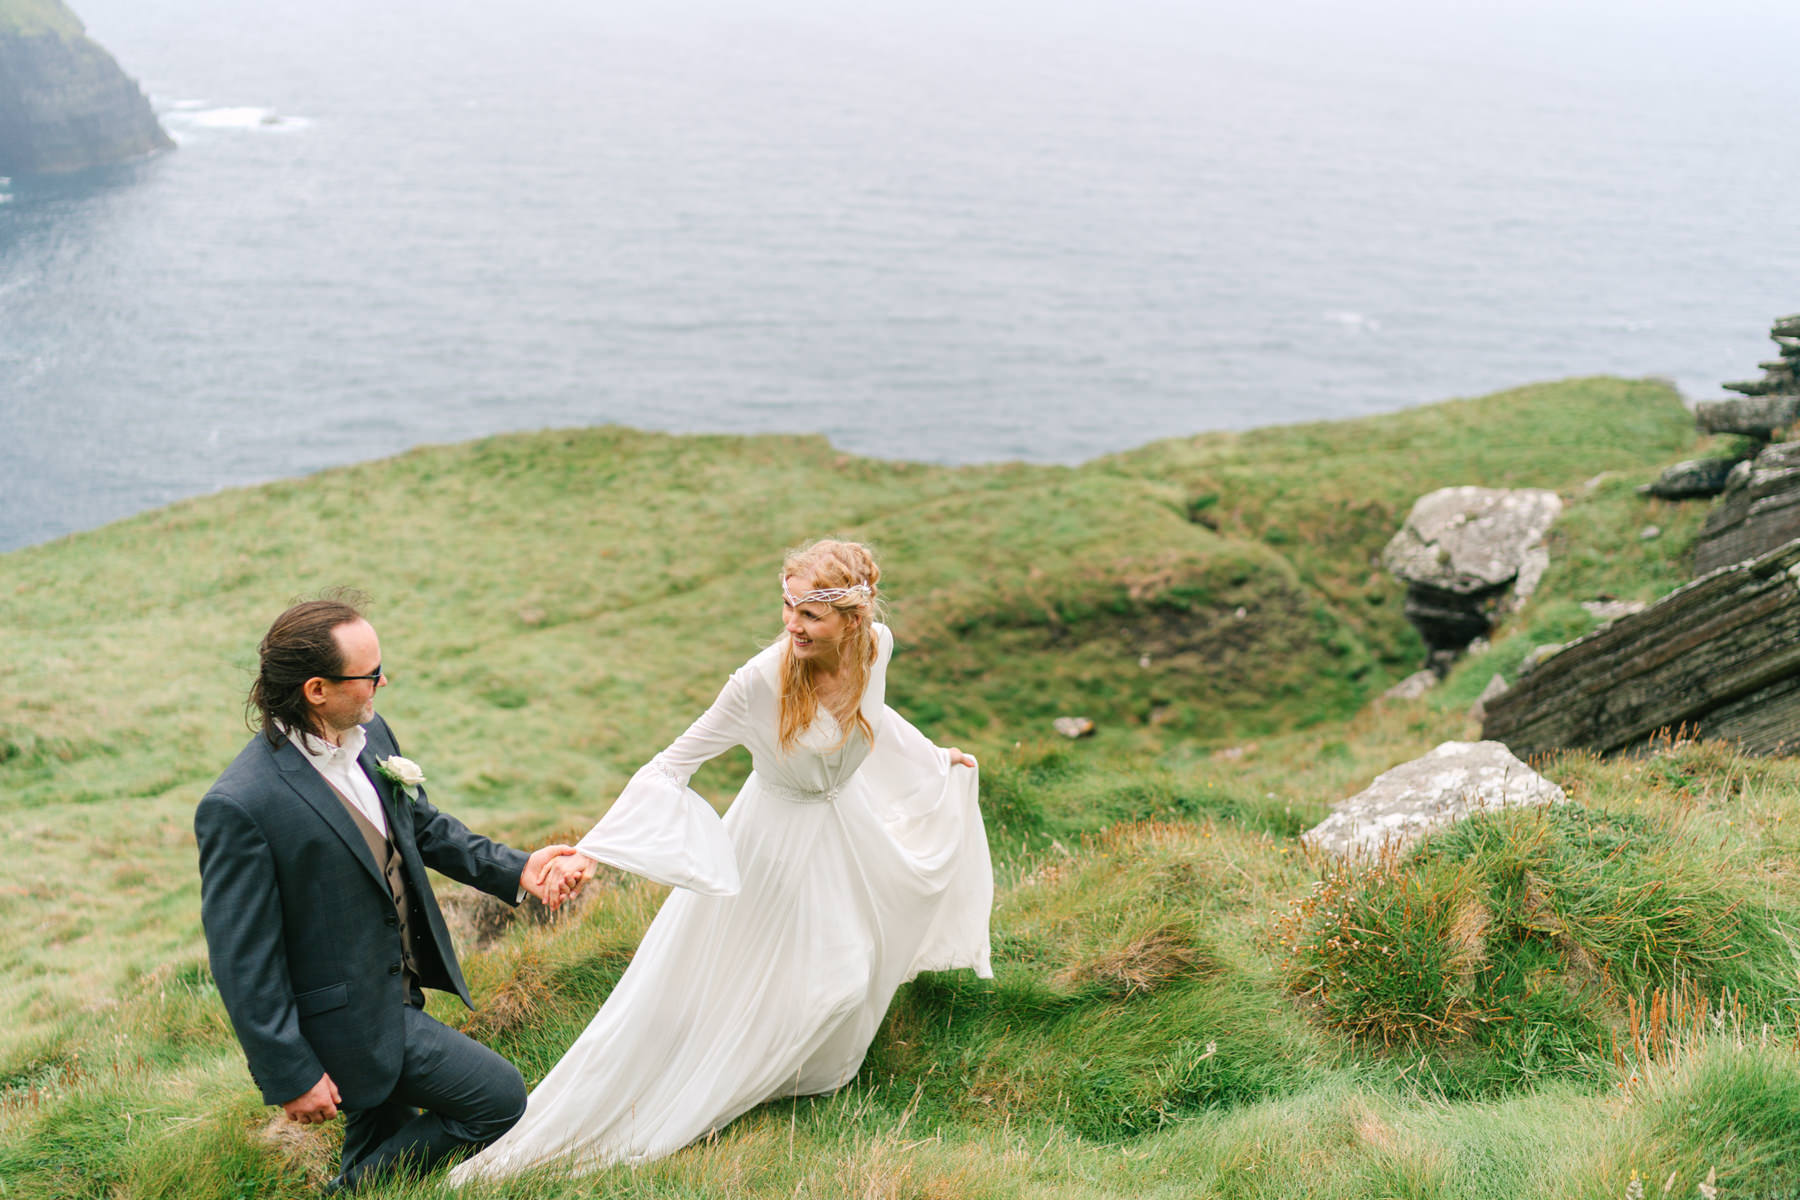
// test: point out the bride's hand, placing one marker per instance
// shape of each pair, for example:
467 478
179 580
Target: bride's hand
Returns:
959 759
554 873
568 873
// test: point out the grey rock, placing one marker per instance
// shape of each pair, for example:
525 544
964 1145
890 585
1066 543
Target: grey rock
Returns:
1759 510
64 103
1692 480
1533 562
1467 555
1073 727
1649 533
1537 656
1495 687
1404 804
1447 621
1755 387
1780 376
1612 610
1753 416
1413 686
1718 658
1468 540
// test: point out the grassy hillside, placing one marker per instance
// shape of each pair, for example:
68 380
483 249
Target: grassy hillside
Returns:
33 17
1171 1014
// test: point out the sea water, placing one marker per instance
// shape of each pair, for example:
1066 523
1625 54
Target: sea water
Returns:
937 233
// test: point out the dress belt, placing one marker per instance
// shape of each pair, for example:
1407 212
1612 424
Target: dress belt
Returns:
803 795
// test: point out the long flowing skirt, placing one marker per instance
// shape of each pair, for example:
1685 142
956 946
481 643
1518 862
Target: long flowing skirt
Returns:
775 991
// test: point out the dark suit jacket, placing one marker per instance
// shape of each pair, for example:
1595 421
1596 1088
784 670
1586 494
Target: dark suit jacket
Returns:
300 925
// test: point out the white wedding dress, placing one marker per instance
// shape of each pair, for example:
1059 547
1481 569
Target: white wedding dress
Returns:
836 875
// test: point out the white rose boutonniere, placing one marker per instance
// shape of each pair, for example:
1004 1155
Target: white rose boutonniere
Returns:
404 772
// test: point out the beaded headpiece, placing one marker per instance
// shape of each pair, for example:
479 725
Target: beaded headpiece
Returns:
826 595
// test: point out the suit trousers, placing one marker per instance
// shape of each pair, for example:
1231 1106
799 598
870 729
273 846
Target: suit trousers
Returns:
453 1094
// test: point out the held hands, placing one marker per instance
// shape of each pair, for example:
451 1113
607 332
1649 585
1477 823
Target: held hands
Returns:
318 1106
554 873
569 872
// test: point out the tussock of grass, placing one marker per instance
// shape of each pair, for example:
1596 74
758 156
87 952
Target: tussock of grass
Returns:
1513 944
1148 961
1113 1013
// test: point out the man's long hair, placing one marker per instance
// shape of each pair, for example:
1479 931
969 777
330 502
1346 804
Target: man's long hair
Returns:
299 645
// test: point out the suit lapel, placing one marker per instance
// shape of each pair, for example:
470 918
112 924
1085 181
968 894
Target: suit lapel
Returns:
392 798
311 787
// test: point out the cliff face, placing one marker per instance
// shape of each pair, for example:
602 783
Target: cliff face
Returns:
64 103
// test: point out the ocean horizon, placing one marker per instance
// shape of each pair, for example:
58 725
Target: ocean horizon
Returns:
924 234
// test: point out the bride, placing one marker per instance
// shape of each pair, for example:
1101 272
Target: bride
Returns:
852 859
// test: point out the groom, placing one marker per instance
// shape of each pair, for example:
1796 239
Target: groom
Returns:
319 915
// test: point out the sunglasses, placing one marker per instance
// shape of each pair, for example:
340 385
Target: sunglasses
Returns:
373 676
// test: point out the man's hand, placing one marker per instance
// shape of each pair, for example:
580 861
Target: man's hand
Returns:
570 872
554 873
318 1105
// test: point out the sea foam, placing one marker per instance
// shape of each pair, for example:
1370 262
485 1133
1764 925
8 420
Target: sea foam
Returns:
1354 320
243 117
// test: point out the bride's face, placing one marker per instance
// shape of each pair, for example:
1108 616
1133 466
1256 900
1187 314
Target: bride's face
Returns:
815 630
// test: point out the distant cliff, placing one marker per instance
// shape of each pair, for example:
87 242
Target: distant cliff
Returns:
64 103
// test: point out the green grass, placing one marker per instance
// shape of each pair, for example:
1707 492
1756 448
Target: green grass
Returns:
554 607
37 17
1501 948
1330 495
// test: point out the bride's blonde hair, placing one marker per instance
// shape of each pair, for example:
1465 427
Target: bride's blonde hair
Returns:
827 564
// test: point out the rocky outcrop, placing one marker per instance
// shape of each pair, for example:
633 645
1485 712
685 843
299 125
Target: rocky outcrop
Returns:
1756 416
1608 609
1759 510
1781 377
1695 479
1718 658
1770 404
1467 555
64 103
1403 805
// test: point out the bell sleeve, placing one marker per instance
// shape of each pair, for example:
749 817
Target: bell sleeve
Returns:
664 830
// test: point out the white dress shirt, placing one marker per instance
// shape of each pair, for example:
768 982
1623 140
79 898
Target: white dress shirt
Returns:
339 767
